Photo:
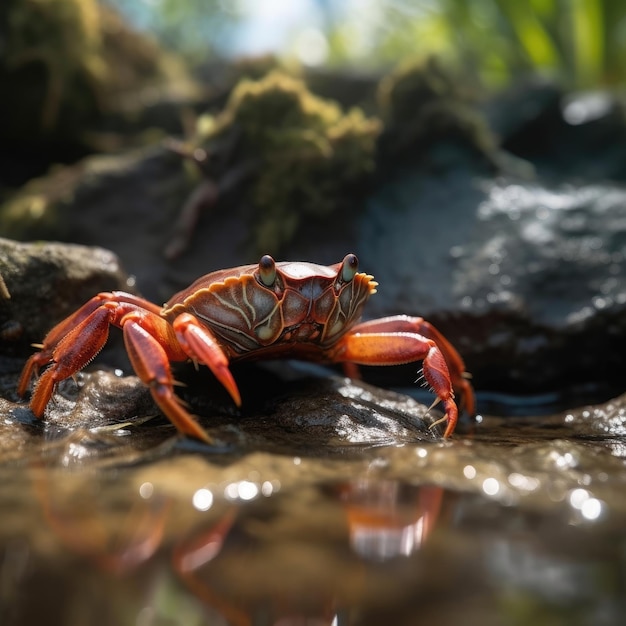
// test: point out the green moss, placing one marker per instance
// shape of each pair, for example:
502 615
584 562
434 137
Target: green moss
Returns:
67 63
62 38
422 102
308 155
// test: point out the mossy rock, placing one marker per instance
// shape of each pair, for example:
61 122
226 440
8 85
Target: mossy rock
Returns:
308 157
68 64
424 103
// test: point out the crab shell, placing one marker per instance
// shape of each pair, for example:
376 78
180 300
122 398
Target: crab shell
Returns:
269 309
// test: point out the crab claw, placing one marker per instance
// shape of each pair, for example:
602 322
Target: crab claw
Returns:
200 346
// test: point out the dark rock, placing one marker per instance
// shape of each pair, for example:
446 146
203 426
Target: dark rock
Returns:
567 136
47 282
526 279
283 412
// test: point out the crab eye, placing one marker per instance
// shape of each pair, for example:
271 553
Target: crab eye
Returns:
349 267
267 270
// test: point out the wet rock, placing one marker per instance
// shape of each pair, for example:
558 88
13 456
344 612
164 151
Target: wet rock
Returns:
286 410
47 282
105 414
526 278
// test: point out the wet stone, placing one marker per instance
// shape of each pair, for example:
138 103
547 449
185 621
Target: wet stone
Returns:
47 282
528 283
306 414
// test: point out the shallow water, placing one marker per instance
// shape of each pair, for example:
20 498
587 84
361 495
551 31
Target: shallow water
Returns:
329 503
514 524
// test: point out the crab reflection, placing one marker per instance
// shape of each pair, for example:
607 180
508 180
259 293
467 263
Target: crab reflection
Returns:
388 518
115 532
303 557
305 566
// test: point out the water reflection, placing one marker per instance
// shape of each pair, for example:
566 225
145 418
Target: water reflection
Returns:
591 509
116 548
117 534
387 518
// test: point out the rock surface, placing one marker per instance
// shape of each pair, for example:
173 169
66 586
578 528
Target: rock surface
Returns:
46 282
529 283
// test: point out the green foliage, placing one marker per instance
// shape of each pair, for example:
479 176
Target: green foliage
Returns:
581 42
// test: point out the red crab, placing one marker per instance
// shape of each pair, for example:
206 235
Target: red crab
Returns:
288 309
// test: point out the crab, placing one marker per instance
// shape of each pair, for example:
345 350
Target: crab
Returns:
269 310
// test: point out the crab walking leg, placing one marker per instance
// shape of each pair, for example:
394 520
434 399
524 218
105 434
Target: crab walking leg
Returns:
56 335
70 354
200 346
396 348
418 325
150 362
150 341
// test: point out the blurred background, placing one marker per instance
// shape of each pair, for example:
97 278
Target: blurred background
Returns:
65 65
493 103
580 42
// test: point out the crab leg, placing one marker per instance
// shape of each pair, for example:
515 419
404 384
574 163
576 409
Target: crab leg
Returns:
150 341
417 325
68 325
68 355
151 363
397 348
